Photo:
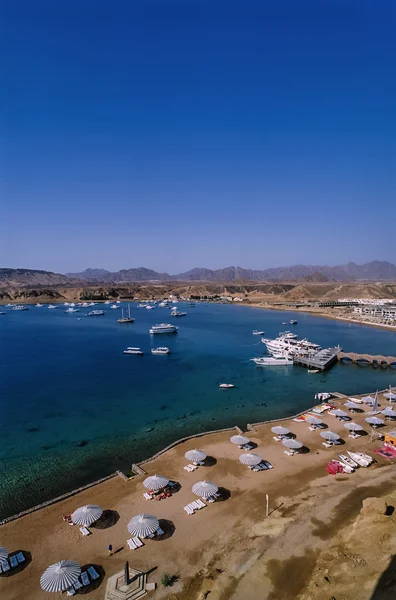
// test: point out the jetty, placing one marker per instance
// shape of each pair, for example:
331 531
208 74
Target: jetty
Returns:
322 360
389 361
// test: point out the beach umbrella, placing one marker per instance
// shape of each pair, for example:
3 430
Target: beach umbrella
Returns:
195 455
155 482
60 576
292 444
250 459
86 515
330 436
374 421
143 525
313 420
353 426
3 553
239 440
368 400
391 396
339 413
352 406
205 489
389 412
279 430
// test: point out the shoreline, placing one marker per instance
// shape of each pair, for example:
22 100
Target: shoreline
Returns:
315 313
337 397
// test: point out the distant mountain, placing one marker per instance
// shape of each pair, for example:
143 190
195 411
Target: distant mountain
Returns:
125 275
31 277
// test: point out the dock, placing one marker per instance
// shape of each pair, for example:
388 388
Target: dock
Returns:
322 360
389 361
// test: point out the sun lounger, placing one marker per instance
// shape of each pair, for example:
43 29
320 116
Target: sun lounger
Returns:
13 561
276 438
4 565
20 557
147 496
93 572
188 510
77 585
85 578
200 503
131 544
326 444
268 464
160 531
289 452
211 499
196 505
71 591
137 541
85 531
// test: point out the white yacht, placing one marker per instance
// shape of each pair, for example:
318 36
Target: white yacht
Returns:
272 361
149 307
162 304
163 328
96 313
131 350
160 350
51 306
65 304
256 332
72 310
290 346
114 306
287 335
19 307
107 302
85 304
38 304
177 313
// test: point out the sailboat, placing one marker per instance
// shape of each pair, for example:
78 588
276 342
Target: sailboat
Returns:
127 319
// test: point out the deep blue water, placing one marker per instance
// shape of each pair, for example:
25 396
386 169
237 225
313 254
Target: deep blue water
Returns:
64 381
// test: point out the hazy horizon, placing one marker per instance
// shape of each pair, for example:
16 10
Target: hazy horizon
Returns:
197 133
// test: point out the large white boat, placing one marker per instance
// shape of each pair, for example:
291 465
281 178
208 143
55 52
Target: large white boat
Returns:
96 313
19 307
272 361
72 310
160 350
290 346
131 350
163 328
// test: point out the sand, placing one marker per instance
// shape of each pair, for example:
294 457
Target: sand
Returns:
229 548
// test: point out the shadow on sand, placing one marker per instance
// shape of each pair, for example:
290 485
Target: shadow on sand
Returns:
21 567
386 586
94 584
108 519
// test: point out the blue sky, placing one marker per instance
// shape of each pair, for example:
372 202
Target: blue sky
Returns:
178 134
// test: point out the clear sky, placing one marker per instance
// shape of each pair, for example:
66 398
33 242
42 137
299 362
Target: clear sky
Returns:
181 133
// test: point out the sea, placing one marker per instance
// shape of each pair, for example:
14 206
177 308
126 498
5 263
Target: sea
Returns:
74 408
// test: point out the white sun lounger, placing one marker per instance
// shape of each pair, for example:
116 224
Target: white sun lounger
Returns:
137 541
85 531
85 578
70 591
289 453
195 505
326 444
147 496
277 439
93 572
13 561
131 544
20 557
189 509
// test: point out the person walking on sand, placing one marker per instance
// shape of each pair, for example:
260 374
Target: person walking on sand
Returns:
110 549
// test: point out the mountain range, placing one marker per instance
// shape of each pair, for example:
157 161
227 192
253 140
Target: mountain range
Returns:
375 270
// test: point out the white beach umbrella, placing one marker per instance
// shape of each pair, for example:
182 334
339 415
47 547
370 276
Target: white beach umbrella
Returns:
279 430
368 400
391 396
338 413
86 515
155 482
205 489
313 420
60 576
250 459
352 426
239 440
389 412
292 444
143 525
330 435
374 421
3 553
352 406
195 455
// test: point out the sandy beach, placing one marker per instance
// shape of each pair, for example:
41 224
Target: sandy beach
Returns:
230 547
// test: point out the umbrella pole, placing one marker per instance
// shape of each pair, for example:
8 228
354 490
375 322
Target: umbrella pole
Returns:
266 502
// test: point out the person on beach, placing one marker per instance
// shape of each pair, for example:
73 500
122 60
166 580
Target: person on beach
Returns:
110 548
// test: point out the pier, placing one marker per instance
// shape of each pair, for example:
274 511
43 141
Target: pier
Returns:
389 361
322 360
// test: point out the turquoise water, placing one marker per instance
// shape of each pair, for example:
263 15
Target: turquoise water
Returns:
65 381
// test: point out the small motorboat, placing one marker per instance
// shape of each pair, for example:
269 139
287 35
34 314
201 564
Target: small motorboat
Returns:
226 386
51 306
131 350
311 371
284 323
160 350
256 332
114 306
96 313
72 310
2 313
293 322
